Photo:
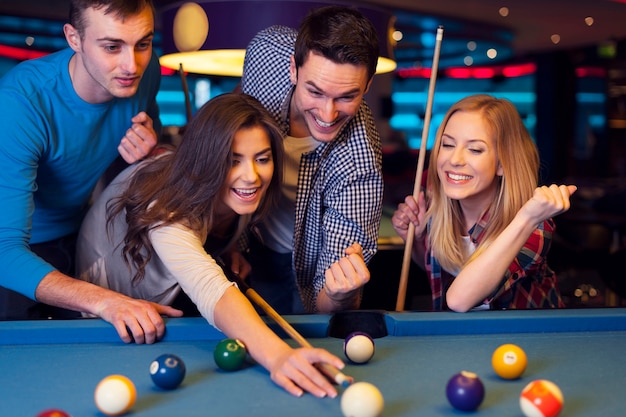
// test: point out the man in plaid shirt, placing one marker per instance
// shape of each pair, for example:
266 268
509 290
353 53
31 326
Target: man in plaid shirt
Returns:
311 254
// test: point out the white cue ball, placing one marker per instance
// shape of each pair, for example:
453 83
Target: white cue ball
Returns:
362 399
358 347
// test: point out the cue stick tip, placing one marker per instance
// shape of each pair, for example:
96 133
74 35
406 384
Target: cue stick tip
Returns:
335 374
347 382
343 380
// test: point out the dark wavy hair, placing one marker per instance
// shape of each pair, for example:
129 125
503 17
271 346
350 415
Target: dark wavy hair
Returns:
183 186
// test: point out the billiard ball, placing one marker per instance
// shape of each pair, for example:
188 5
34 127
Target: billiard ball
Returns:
230 354
465 391
115 395
362 399
167 371
541 398
53 413
509 361
358 347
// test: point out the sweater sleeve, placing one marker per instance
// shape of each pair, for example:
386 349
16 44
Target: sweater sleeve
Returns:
20 151
202 279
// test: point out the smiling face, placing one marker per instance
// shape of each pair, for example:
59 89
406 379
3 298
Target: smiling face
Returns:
467 163
251 170
326 97
111 55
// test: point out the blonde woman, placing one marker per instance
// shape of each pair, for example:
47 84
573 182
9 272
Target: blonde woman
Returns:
484 227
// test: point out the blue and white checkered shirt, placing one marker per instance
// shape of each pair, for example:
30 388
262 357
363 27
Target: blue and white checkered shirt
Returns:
340 184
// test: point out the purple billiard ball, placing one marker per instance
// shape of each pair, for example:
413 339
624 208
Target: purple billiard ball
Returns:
465 391
167 371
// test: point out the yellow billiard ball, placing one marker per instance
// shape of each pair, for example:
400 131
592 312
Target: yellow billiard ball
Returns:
509 361
115 395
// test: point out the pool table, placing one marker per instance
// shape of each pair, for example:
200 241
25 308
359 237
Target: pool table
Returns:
57 364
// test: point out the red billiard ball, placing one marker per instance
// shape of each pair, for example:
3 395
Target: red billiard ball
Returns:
509 361
53 413
465 391
167 371
230 354
358 347
541 398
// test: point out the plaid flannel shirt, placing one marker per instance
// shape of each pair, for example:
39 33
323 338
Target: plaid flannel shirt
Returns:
340 184
528 283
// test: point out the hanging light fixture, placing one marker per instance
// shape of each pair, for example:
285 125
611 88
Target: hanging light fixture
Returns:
210 37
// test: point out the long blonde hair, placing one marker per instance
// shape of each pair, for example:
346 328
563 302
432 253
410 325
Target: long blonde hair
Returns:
518 156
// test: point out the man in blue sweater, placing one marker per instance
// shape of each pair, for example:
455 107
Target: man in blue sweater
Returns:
66 117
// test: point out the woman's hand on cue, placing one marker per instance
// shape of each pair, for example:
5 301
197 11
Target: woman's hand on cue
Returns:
410 211
295 371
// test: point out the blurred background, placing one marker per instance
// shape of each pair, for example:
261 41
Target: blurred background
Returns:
561 62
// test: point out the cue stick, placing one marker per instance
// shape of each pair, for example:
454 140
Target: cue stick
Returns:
330 371
406 260
183 78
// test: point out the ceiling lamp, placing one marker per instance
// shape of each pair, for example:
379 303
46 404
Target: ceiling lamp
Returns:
210 37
